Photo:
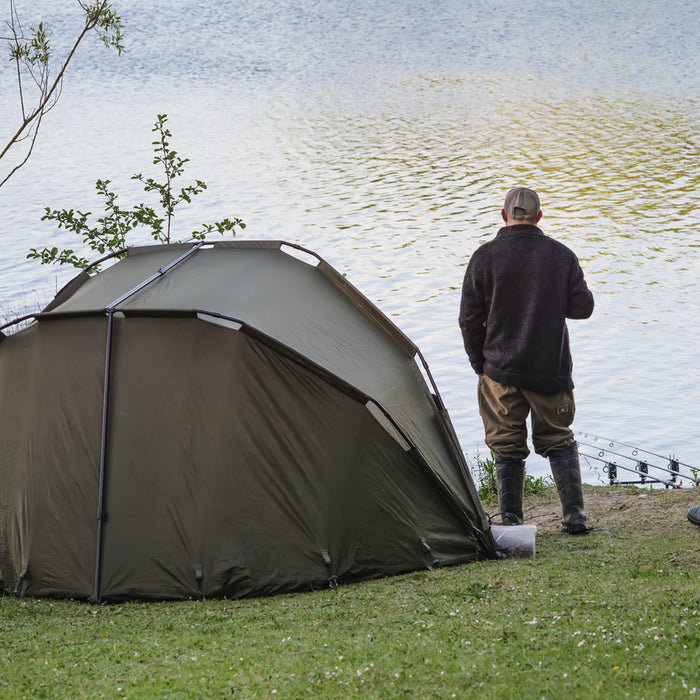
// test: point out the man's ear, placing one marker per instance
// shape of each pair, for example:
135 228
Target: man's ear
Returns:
539 216
504 216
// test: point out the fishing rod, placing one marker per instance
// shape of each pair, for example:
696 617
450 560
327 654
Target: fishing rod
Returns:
610 468
641 466
637 450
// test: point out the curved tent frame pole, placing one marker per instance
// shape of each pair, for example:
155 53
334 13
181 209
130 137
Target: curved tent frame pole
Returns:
14 322
438 398
26 317
113 254
416 353
156 275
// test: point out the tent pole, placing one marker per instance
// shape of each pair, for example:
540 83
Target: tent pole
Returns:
436 393
96 597
110 310
155 276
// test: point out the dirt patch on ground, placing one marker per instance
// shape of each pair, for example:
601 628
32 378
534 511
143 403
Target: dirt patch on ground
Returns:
615 507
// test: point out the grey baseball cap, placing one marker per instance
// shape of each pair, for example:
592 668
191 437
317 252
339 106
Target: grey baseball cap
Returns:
522 203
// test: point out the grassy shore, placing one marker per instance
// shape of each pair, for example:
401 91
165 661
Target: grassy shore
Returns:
612 614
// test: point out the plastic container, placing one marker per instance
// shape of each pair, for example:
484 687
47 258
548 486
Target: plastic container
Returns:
515 541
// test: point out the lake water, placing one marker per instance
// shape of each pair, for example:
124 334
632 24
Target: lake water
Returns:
383 136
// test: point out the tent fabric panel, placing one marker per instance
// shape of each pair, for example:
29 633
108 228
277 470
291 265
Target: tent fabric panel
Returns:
413 408
394 510
367 307
15 359
50 453
479 518
286 298
219 472
310 310
68 290
110 284
303 307
260 467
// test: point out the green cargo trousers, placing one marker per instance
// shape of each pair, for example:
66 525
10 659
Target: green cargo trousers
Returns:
504 410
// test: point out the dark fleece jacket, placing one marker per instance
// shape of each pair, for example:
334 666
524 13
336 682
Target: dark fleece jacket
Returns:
518 291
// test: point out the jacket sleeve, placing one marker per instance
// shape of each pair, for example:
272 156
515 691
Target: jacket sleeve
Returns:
472 316
580 303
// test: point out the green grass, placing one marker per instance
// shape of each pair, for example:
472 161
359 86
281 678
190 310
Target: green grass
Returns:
612 614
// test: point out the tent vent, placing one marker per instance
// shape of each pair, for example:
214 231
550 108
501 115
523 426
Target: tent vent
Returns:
219 320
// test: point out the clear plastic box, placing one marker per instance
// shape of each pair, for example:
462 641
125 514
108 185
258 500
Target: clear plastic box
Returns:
515 541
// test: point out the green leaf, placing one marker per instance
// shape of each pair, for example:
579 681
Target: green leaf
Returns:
108 232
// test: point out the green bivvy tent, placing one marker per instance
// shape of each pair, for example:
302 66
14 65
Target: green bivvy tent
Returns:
222 419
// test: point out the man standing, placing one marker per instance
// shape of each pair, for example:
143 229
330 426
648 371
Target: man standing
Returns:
519 289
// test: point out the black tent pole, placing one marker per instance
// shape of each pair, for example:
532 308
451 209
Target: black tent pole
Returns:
96 597
101 515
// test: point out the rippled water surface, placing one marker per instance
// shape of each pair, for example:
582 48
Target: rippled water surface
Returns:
383 136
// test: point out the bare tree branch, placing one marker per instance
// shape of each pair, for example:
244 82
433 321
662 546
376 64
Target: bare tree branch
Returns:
32 57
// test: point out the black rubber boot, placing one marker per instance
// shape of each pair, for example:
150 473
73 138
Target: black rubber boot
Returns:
694 515
510 476
566 471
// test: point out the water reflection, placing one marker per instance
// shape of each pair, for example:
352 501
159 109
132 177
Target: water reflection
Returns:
385 141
